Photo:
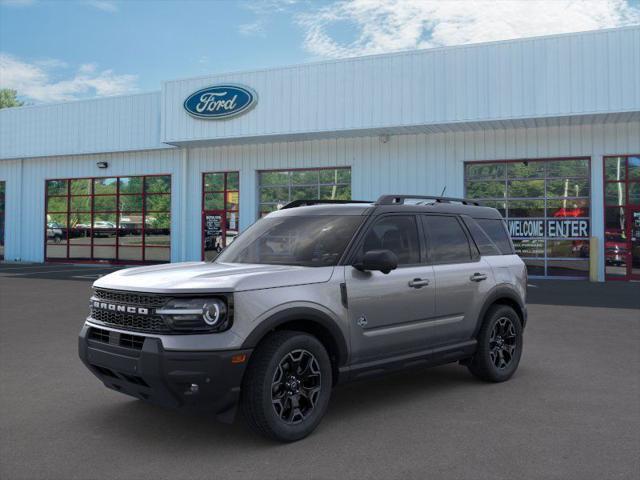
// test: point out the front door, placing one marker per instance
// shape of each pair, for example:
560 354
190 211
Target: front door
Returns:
388 313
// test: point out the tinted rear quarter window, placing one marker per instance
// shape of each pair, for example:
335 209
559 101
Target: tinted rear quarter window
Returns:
497 232
446 239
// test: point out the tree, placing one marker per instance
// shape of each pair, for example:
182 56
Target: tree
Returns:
8 98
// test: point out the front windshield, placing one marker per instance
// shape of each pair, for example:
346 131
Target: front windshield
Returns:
309 241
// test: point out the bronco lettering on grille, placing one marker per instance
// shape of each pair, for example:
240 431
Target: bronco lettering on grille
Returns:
120 308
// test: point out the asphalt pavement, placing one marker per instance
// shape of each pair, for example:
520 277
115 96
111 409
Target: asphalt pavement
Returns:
572 411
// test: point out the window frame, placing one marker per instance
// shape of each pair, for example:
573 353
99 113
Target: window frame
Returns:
117 212
474 253
352 250
544 258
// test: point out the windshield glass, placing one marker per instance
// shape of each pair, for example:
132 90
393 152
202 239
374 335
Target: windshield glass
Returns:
311 241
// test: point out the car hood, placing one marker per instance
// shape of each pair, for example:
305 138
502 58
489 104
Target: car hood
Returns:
199 277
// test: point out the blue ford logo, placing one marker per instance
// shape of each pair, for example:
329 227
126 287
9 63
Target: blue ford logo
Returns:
220 101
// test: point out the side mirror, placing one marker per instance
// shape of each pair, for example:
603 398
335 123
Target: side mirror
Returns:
381 260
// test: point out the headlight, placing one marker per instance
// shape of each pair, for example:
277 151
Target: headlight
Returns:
196 314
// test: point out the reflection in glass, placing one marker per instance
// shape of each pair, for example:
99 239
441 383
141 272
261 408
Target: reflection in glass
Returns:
57 204
568 188
214 201
157 254
56 187
158 184
130 253
129 237
302 193
79 252
614 168
158 203
525 188
56 234
336 192
214 182
485 189
131 203
157 237
526 208
81 187
105 203
568 208
568 248
568 168
103 252
485 171
80 204
568 268
56 250
535 268
105 186
614 193
309 177
633 168
130 185
634 193
525 169
233 181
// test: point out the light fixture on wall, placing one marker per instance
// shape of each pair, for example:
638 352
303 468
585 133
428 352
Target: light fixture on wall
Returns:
102 164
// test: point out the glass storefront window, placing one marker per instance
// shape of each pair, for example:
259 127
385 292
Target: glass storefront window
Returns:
277 188
622 217
547 207
220 211
109 219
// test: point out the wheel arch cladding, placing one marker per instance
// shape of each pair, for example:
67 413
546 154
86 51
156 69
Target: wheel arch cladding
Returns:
502 296
308 320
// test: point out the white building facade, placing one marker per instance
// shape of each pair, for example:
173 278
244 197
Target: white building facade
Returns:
545 129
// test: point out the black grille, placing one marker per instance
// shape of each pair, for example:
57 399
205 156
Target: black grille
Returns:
147 300
99 335
131 321
131 341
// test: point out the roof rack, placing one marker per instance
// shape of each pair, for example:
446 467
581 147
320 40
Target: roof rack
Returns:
399 199
307 203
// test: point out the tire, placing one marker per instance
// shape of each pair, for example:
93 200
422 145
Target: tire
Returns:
499 345
269 392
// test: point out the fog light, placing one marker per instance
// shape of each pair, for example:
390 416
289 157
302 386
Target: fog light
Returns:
194 388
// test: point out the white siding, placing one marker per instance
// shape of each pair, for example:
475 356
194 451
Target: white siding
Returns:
90 126
548 77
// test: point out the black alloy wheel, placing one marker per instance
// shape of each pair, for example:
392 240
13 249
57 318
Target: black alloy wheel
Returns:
502 343
499 345
296 386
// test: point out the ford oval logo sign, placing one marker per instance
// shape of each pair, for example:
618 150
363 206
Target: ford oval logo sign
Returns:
220 101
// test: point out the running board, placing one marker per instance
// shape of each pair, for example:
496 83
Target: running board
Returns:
424 358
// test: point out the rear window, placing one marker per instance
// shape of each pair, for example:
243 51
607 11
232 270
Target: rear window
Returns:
495 229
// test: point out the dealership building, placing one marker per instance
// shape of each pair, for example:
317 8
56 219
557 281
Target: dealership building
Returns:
545 129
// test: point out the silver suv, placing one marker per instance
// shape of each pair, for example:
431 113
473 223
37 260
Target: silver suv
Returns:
315 294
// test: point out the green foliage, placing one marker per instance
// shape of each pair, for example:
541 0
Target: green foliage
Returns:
8 98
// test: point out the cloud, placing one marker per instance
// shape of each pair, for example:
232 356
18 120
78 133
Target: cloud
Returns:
389 25
252 29
104 5
39 83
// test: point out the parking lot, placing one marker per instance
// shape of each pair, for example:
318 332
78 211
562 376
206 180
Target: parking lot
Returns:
571 412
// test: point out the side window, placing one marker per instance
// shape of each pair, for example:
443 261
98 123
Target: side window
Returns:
497 232
447 240
396 233
483 241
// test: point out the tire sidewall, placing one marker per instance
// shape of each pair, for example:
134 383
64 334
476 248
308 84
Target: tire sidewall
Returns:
495 314
304 428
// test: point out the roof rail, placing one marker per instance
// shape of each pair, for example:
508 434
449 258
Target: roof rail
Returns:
307 203
399 199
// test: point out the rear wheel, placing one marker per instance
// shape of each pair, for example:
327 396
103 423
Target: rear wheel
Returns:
287 387
499 345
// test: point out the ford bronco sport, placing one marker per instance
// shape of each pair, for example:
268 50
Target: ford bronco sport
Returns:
314 294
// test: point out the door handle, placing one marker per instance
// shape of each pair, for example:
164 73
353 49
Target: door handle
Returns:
478 277
418 283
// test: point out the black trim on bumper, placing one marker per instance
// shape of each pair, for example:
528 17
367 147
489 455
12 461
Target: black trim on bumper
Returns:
164 377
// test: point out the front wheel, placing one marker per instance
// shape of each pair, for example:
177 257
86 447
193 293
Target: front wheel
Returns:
499 345
287 386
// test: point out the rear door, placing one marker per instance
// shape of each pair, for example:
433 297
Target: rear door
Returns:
462 278
388 313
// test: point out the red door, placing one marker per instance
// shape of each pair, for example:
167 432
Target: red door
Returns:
633 236
214 233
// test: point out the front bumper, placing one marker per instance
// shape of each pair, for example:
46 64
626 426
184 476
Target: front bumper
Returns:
139 366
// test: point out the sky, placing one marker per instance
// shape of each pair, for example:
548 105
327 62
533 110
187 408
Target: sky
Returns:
59 50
